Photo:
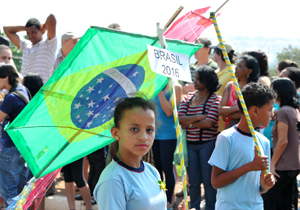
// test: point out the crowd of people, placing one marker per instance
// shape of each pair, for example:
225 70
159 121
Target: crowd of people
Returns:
237 171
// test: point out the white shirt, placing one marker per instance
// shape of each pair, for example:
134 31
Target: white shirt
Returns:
38 58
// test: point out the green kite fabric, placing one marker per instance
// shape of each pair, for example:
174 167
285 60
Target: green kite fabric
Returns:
71 116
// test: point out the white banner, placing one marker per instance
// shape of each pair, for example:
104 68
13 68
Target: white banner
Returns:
170 64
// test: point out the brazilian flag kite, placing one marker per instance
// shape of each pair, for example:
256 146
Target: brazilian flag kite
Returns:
71 116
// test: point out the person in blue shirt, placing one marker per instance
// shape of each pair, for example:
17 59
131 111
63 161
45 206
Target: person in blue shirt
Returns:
165 138
238 171
128 183
13 171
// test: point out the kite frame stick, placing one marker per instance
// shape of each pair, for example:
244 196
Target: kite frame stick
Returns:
241 98
221 6
175 114
173 17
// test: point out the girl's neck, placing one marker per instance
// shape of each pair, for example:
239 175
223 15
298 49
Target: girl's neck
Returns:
222 65
201 97
132 161
242 83
8 87
203 93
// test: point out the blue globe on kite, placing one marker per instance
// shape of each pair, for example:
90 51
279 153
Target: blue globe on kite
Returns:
95 102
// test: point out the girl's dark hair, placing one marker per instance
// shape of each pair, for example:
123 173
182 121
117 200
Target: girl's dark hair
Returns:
7 70
286 63
262 60
208 76
231 55
286 92
131 103
33 82
294 75
251 63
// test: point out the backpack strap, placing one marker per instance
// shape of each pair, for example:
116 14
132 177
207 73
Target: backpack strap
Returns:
21 96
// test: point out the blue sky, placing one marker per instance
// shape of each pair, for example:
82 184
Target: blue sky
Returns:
239 17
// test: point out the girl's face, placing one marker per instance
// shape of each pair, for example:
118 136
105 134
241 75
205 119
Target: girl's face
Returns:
197 84
241 70
216 57
6 56
136 132
3 83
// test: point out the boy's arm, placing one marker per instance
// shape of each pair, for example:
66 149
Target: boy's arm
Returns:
221 178
50 26
11 33
225 110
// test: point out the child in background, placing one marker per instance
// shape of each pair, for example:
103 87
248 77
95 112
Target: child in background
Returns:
238 171
127 182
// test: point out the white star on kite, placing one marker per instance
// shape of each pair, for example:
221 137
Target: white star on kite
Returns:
88 124
96 115
77 105
90 89
81 96
87 98
100 80
90 113
106 97
134 74
117 99
80 120
113 109
91 104
78 116
110 86
99 91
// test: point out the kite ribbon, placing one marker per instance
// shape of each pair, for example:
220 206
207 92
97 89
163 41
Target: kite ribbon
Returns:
241 98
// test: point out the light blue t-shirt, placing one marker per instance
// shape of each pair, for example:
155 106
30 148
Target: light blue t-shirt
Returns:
234 148
122 187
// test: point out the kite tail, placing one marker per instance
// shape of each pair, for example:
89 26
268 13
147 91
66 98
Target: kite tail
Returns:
33 192
17 202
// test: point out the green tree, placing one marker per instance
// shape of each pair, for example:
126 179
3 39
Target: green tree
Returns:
290 53
17 57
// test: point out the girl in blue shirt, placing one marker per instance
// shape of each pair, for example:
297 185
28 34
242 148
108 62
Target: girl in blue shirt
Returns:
128 183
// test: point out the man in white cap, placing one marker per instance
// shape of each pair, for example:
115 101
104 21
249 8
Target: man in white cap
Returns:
68 41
